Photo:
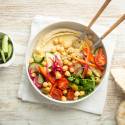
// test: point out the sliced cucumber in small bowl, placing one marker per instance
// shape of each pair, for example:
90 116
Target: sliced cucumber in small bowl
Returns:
6 50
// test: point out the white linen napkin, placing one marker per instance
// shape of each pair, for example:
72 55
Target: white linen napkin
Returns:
94 103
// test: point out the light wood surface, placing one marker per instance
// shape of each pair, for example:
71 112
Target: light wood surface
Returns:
15 19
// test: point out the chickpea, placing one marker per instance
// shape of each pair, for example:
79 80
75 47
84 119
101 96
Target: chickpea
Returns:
45 84
69 63
65 68
31 60
44 63
66 45
61 49
49 70
73 55
58 75
69 57
77 93
53 50
65 61
73 61
75 98
49 84
67 73
38 50
82 93
33 74
97 80
58 48
64 92
55 41
63 98
64 53
71 69
46 90
70 50
61 41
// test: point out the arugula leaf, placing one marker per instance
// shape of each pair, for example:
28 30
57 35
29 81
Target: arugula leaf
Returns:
71 78
88 84
77 81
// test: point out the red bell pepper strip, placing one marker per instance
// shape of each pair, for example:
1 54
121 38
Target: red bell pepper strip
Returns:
87 52
84 62
47 76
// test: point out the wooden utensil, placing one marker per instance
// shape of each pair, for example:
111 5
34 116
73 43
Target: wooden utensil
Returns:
99 13
122 18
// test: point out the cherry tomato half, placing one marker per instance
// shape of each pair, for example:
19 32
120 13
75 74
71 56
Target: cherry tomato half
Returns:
56 94
70 94
100 59
62 83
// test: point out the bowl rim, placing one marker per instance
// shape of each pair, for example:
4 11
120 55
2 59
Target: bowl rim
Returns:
10 61
47 97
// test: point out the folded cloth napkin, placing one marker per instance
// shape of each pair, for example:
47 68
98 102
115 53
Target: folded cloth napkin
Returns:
94 103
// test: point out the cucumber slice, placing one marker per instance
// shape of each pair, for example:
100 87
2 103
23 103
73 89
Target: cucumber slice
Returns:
40 79
10 50
97 72
5 44
38 57
34 66
3 56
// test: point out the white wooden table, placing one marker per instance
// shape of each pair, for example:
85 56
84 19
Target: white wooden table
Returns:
15 19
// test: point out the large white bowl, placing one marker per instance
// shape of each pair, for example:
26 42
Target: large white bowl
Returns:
69 25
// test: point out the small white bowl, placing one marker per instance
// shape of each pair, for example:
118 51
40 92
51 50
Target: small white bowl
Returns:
64 24
10 61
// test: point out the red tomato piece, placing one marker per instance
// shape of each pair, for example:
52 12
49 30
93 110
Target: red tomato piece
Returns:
56 94
62 83
100 59
70 94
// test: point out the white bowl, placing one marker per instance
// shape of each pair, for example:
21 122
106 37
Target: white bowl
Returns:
69 25
10 61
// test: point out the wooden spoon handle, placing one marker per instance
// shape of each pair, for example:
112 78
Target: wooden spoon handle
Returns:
122 18
99 13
